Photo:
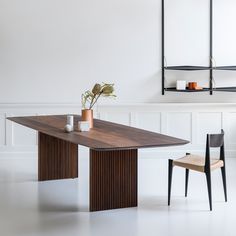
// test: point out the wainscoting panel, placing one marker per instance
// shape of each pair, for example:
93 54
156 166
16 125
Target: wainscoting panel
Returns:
187 121
179 124
2 129
117 117
230 118
208 122
150 121
23 136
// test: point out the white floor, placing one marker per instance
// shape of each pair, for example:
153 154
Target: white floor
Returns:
30 208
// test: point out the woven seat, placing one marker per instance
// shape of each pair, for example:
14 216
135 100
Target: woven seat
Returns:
197 163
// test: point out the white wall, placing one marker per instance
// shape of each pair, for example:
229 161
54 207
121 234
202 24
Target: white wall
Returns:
53 50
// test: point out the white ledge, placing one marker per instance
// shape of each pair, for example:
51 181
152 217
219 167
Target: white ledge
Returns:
115 104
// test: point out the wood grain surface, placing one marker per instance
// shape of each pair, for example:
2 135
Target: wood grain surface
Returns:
104 136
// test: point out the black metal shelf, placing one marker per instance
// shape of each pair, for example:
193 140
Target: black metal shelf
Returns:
196 68
220 89
233 68
173 89
210 68
225 89
187 68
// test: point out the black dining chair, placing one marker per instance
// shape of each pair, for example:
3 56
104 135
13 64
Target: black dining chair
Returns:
201 164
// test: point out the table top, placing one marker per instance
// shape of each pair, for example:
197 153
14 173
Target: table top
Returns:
104 136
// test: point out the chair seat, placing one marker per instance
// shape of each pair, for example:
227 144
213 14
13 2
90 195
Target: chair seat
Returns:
197 163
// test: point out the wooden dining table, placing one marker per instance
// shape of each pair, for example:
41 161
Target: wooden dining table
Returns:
113 163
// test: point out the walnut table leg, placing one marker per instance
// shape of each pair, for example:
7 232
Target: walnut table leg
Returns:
57 159
113 179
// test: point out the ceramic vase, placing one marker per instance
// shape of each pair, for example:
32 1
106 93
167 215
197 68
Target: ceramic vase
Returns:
87 115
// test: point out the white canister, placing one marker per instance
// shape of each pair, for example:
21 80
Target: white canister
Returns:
180 84
70 121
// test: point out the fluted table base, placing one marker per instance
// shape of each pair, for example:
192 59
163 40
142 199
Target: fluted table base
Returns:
113 179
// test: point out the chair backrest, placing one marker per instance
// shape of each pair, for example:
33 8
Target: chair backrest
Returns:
214 140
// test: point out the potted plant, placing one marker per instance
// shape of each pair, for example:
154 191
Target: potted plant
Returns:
90 98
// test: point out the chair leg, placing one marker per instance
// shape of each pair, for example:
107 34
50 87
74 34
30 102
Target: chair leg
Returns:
186 181
208 179
170 170
224 181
